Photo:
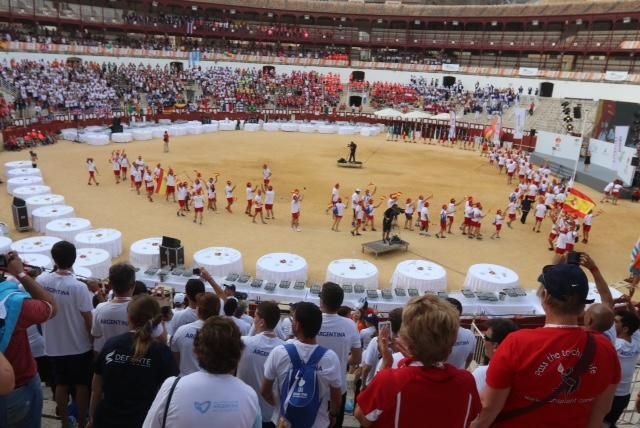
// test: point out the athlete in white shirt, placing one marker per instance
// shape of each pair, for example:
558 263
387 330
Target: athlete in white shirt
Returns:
257 203
211 193
425 219
541 212
606 195
115 165
269 200
93 170
171 185
296 199
250 193
228 193
497 222
198 205
338 212
266 175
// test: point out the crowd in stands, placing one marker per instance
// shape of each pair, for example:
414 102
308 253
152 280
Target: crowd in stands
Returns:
117 354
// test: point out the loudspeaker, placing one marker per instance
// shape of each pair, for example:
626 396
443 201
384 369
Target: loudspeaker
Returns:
577 112
635 161
355 101
357 76
170 242
546 89
448 81
171 256
20 215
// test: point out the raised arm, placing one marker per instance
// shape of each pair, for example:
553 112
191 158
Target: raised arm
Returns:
31 286
601 283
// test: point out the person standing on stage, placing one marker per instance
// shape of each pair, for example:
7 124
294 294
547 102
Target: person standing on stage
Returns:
390 215
352 152
165 139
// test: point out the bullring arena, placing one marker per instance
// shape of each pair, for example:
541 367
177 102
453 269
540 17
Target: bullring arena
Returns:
439 175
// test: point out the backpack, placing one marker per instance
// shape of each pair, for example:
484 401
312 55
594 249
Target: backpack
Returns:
300 395
11 299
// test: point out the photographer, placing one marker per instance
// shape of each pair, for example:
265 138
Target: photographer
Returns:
390 216
23 407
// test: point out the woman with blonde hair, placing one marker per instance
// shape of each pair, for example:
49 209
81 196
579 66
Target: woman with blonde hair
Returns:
130 369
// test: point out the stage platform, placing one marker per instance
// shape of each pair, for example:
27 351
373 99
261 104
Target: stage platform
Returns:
381 247
597 177
356 164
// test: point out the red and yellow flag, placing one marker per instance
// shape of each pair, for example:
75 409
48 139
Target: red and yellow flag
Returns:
578 204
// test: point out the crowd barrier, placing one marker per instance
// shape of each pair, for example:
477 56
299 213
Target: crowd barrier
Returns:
429 127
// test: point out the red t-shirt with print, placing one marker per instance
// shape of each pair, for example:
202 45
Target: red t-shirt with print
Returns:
443 397
534 362
19 352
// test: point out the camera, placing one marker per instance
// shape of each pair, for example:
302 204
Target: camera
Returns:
196 271
573 258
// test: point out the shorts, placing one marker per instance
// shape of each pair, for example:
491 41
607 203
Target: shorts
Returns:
182 203
212 198
295 216
553 236
498 227
229 201
450 218
512 216
474 223
92 174
569 248
539 218
73 369
258 209
123 170
359 222
616 194
249 203
467 221
370 218
199 210
116 172
586 227
386 226
266 182
510 174
138 184
424 224
150 189
443 225
337 217
408 216
268 206
560 251
171 189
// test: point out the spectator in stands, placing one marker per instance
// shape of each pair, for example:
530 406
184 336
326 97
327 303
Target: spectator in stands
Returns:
560 360
628 348
256 350
213 396
130 369
110 318
462 352
498 329
193 288
340 335
67 337
423 386
307 322
208 305
21 405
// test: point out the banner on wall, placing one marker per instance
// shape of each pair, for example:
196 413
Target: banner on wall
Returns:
521 117
602 154
451 67
616 76
621 136
528 71
558 145
452 125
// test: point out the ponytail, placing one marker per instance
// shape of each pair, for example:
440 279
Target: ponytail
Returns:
144 316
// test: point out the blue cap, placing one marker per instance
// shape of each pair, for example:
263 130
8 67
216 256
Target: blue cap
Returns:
565 280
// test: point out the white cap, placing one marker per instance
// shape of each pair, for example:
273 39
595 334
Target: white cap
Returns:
357 190
178 299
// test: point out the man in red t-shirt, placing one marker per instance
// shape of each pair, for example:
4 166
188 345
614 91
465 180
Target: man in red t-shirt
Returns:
537 365
423 387
22 408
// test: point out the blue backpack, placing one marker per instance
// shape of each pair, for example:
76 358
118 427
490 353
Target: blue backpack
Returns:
300 395
11 299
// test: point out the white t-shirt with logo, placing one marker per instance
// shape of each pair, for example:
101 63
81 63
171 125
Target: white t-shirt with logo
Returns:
329 375
628 354
66 334
109 319
182 342
251 366
341 335
465 345
202 399
370 357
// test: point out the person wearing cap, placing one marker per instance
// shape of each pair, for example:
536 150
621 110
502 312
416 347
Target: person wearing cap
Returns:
193 288
340 335
569 372
178 302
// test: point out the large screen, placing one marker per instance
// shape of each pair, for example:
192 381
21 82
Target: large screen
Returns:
612 114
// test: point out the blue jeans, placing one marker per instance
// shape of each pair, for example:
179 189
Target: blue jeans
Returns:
23 407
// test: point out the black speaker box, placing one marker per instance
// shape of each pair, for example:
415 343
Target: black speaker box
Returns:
532 133
170 242
20 215
546 89
171 256
577 112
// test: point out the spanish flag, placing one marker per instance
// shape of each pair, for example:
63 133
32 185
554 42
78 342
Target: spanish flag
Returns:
578 204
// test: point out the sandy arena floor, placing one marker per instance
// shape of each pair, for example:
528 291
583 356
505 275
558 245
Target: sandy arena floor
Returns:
308 161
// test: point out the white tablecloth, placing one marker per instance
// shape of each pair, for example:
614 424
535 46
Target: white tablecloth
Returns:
96 259
35 244
25 192
252 127
29 180
490 278
193 129
347 130
327 129
38 201
369 131
158 132
289 127
145 253
276 267
353 271
17 164
43 215
5 244
164 121
421 275
209 128
271 126
107 239
69 134
38 260
224 125
83 272
122 137
95 139
67 228
219 261
308 128
24 172
526 305
142 134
